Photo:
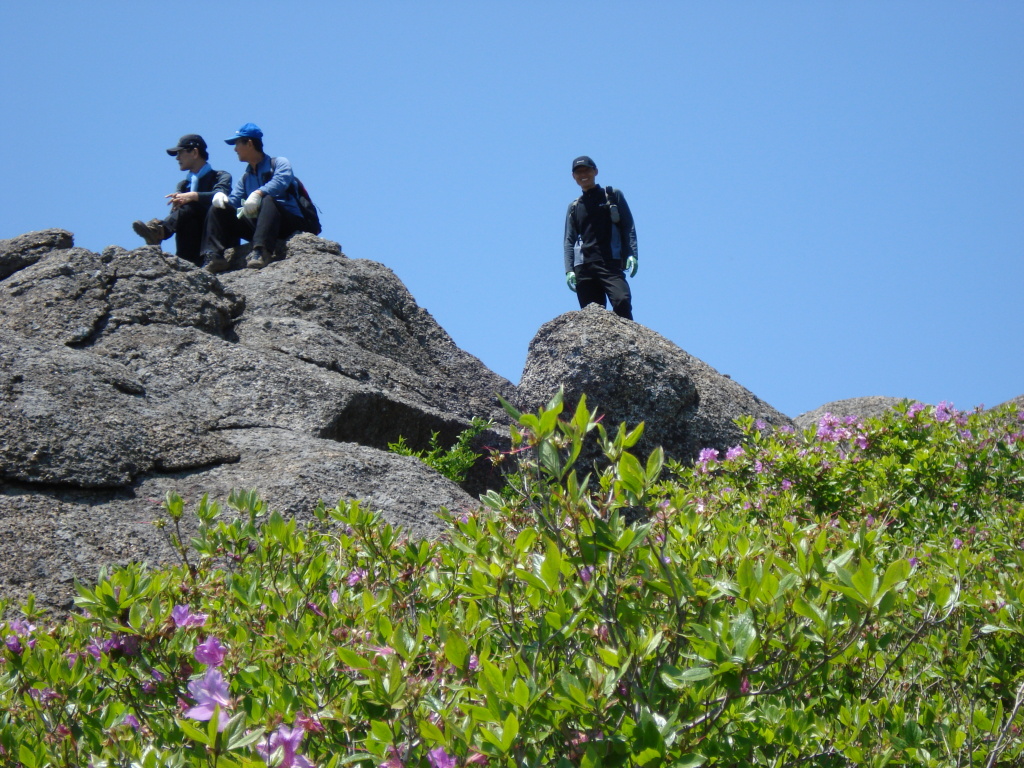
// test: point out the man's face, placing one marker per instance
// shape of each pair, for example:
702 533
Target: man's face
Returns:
584 176
189 159
245 151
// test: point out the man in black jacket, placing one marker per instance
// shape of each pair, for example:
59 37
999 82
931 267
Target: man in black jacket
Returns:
600 242
190 202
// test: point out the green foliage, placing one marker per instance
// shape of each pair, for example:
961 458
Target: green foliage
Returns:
848 596
453 462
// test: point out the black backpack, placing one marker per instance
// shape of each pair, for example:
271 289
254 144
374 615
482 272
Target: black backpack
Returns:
310 213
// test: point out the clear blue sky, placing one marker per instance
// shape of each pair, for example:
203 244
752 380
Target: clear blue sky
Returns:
829 196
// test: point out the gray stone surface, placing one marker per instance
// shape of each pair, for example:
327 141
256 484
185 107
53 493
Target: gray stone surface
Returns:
128 374
633 374
51 536
18 252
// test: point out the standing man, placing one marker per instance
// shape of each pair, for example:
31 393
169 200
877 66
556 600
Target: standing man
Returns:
600 242
190 201
267 201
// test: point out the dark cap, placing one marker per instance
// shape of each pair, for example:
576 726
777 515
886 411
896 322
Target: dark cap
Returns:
583 162
188 141
247 131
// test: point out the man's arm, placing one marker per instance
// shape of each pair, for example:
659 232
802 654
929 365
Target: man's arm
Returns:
628 228
238 193
282 179
569 244
221 183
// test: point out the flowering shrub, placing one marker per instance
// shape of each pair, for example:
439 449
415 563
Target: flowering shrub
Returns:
851 595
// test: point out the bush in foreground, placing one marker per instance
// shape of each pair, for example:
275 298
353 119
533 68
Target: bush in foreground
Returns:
847 596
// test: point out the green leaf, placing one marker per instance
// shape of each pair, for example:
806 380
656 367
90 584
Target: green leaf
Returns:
551 568
456 650
192 732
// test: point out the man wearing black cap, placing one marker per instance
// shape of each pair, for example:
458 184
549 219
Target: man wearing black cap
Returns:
600 242
267 203
190 202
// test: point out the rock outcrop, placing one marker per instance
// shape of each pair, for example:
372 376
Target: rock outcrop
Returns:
632 374
126 375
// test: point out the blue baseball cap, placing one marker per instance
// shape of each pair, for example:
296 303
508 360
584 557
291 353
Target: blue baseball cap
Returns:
247 131
583 162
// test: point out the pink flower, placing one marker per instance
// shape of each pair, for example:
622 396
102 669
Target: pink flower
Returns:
438 758
944 411
210 692
210 652
184 618
393 761
287 740
734 453
357 575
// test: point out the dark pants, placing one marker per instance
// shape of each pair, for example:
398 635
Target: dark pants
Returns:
597 282
186 223
225 230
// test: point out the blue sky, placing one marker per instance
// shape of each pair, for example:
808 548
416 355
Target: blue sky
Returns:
829 196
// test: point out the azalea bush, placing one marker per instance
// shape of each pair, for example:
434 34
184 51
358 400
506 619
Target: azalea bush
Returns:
850 595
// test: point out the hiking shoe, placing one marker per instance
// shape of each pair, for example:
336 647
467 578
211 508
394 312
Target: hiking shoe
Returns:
257 259
151 231
214 262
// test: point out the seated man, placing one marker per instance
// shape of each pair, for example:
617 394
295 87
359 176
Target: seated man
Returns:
267 201
190 202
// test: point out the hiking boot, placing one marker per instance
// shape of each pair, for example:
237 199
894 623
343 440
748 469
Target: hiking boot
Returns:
151 231
257 259
214 262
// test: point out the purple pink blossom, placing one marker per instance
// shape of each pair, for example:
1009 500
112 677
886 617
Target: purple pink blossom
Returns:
438 758
287 740
210 652
184 618
210 692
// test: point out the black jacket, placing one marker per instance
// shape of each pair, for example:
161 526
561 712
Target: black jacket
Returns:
209 185
588 220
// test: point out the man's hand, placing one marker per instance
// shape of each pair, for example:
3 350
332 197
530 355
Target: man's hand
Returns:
570 280
632 265
220 200
178 199
252 204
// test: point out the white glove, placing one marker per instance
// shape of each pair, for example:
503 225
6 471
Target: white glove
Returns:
252 204
220 200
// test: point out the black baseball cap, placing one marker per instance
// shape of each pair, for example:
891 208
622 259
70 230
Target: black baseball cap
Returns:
188 141
583 162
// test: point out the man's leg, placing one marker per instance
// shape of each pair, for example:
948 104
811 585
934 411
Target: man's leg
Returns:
222 231
589 288
617 289
273 223
189 221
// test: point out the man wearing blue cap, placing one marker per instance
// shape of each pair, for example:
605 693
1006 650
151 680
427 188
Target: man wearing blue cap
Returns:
191 200
266 200
600 242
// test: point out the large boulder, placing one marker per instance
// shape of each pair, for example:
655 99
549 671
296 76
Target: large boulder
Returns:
126 375
632 374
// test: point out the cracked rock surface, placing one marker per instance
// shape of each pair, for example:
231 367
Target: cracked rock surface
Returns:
125 375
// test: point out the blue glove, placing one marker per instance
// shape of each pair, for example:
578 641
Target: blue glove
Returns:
570 280
632 265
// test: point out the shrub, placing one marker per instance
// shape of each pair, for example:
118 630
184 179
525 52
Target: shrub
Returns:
847 596
453 462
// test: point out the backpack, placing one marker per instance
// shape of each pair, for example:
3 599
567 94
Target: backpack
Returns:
310 213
